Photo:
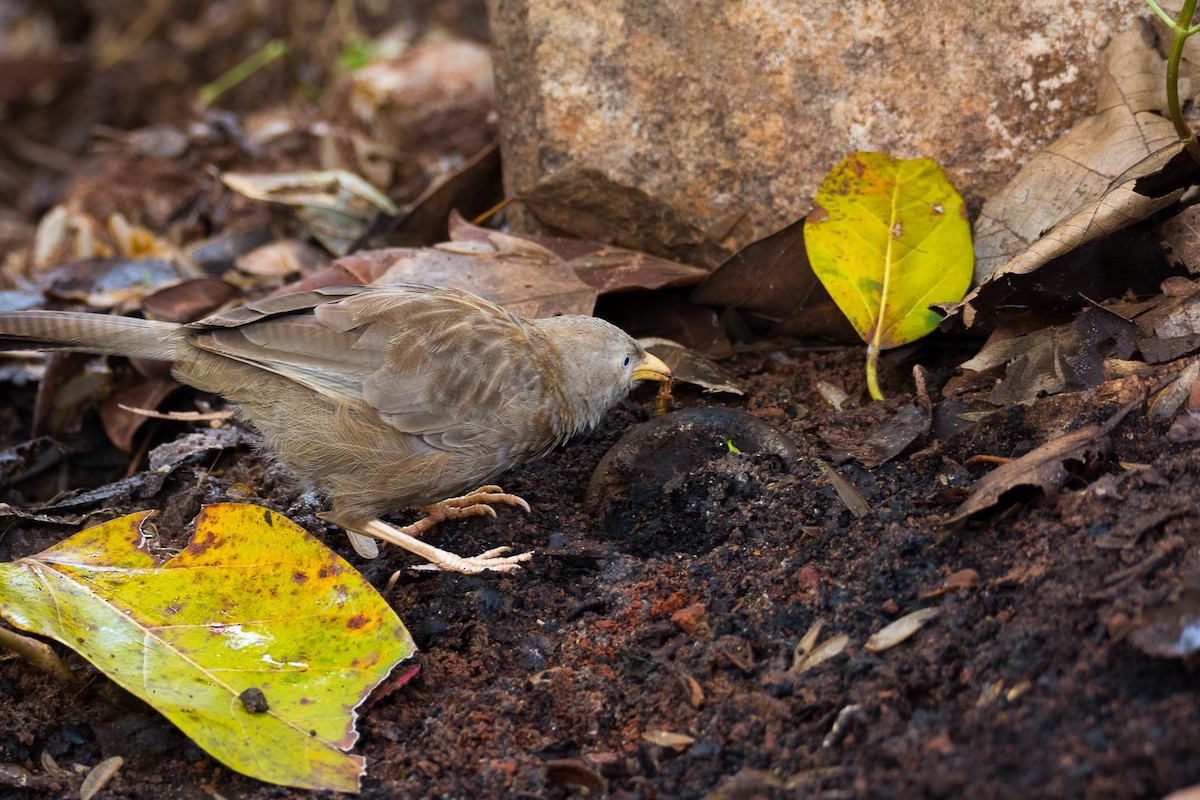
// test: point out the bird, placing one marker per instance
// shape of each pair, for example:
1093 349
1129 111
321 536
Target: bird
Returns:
382 397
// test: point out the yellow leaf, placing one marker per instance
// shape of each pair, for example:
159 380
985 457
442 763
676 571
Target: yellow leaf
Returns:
257 640
888 239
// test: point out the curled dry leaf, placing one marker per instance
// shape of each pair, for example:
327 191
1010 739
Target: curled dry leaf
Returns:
1166 403
281 259
893 634
834 395
335 205
1114 169
573 772
1044 467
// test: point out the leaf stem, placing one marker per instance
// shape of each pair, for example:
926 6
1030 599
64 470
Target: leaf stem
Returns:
873 371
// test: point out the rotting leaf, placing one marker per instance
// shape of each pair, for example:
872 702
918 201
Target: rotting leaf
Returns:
894 436
896 632
252 602
888 239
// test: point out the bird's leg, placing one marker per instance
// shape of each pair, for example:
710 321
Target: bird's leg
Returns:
470 505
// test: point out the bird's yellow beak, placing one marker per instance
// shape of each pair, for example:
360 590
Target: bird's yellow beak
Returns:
651 368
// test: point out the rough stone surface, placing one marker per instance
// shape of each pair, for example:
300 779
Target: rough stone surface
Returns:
730 113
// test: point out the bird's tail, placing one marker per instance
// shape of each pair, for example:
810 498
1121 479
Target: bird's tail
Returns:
85 332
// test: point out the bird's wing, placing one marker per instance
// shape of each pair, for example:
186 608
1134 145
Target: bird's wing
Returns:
437 363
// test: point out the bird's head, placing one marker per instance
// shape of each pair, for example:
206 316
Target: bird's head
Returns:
601 363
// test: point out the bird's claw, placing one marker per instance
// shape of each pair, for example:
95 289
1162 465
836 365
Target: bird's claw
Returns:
474 504
493 560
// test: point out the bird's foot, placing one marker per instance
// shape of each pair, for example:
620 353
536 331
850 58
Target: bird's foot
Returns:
470 505
493 559
473 504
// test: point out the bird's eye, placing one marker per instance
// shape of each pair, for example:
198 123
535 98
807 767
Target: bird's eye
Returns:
627 361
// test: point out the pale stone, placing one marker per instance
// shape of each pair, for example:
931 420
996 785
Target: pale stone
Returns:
729 114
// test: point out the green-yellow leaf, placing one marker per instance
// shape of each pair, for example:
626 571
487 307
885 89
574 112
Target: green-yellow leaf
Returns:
888 239
253 603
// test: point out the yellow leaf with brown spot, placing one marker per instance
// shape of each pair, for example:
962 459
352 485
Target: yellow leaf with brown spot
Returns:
256 640
888 239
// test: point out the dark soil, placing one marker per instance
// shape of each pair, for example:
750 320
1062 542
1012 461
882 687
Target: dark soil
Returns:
683 617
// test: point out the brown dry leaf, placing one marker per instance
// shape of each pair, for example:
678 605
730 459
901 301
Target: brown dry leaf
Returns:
518 274
1187 793
896 632
467 189
335 205
892 437
668 314
772 282
189 300
1055 359
98 776
107 282
220 252
1181 236
1077 170
521 276
1044 467
430 100
72 383
1114 169
120 424
1167 402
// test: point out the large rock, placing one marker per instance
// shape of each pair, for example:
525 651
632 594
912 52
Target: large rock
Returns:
725 116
